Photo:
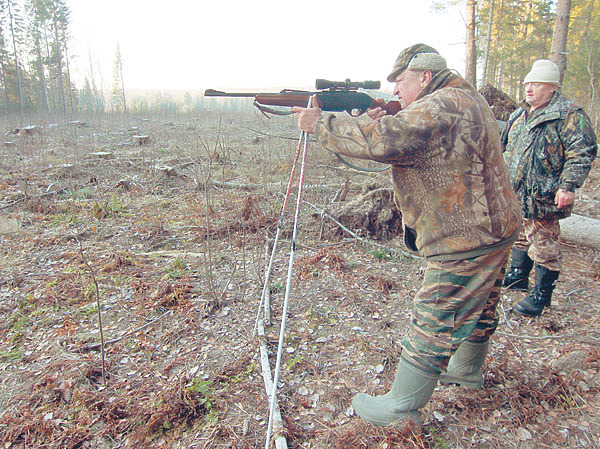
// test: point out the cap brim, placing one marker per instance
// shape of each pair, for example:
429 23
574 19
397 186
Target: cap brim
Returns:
392 76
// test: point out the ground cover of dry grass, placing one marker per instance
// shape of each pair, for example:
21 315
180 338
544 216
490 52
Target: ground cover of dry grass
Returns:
170 238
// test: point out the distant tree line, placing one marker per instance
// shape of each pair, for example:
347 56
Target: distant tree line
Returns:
35 69
503 38
163 103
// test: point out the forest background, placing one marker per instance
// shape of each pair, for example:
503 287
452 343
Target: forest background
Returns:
503 38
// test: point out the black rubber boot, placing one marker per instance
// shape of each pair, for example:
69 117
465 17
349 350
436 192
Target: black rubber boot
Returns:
517 277
541 295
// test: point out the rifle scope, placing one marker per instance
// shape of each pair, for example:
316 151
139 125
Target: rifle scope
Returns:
321 84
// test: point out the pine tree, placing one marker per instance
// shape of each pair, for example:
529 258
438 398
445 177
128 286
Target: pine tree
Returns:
15 28
118 101
38 23
558 51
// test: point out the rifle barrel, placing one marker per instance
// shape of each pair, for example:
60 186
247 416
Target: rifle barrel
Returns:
220 93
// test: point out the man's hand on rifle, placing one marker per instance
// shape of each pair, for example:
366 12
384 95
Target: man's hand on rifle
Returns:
307 117
378 112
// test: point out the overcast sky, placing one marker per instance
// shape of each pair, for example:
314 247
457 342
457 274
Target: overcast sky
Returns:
194 45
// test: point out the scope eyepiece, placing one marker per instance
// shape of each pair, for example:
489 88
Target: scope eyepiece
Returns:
322 84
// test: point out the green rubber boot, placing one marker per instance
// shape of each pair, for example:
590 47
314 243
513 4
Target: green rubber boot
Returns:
465 365
411 390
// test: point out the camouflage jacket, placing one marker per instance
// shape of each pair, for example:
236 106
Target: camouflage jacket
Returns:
450 180
549 149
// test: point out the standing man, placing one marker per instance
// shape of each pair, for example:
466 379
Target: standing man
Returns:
458 210
550 145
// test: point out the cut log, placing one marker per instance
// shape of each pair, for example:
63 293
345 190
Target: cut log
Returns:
581 230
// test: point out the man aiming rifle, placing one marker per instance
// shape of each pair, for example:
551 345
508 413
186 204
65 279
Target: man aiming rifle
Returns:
459 212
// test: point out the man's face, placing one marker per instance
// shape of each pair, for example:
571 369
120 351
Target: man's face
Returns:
409 84
538 95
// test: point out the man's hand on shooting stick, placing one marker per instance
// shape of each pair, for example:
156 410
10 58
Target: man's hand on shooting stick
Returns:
563 198
307 118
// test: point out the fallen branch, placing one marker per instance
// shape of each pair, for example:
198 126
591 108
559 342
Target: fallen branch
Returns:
125 335
25 197
98 306
295 139
251 186
174 253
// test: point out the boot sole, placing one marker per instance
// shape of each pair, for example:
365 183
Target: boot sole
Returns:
398 419
524 313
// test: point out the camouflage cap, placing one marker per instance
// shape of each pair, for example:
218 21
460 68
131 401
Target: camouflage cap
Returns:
405 56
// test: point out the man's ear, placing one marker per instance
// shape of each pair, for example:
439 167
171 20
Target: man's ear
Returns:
426 77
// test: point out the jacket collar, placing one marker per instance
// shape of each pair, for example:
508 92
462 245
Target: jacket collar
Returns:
554 103
444 78
551 111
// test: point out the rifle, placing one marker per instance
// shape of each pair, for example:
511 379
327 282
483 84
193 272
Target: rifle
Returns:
333 96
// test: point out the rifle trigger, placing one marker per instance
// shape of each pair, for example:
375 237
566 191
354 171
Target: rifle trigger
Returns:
352 114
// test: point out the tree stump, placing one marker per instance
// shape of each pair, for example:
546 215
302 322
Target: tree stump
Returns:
140 139
165 170
502 105
79 124
29 131
102 154
373 214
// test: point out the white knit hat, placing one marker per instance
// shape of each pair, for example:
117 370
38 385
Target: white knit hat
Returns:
543 71
427 61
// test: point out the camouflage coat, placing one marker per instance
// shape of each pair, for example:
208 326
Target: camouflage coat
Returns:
450 180
549 149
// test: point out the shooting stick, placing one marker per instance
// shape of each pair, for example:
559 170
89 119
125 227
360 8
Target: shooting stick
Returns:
279 226
272 401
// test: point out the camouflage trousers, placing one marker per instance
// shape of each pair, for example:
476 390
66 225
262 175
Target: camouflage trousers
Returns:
456 302
540 239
